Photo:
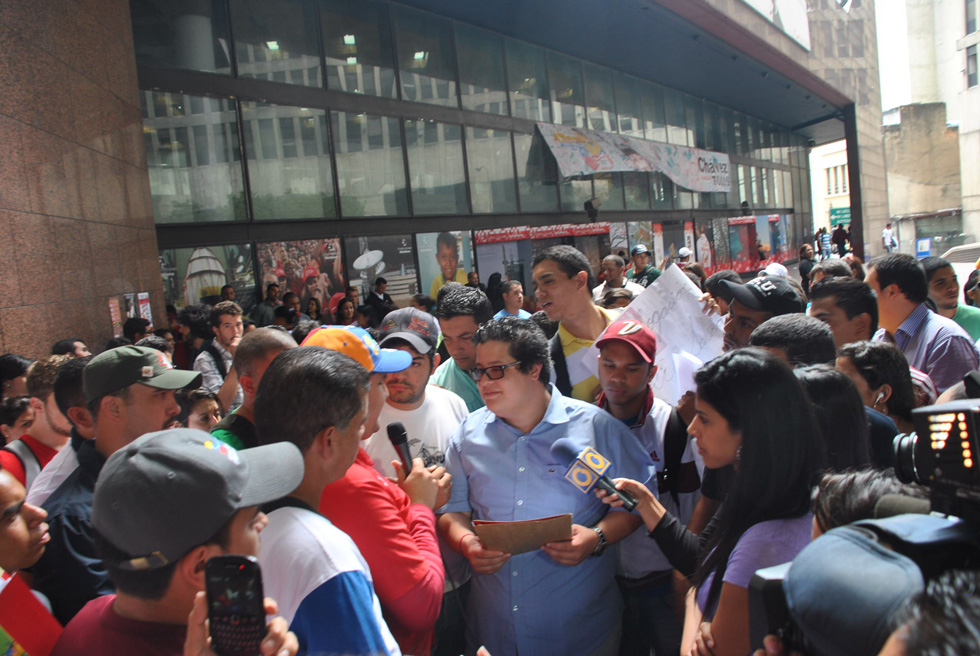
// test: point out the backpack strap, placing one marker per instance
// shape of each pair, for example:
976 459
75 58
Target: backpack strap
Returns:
675 442
219 361
28 460
562 380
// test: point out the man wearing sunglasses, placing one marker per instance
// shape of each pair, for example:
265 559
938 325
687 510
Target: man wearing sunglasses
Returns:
556 599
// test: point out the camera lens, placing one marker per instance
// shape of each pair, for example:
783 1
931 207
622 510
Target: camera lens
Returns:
904 445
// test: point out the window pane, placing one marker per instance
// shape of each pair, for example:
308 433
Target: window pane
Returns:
971 66
370 165
491 164
655 122
276 38
600 98
574 193
435 164
286 186
195 175
637 186
190 35
629 106
609 190
567 97
535 173
661 191
677 132
357 45
527 80
425 58
481 70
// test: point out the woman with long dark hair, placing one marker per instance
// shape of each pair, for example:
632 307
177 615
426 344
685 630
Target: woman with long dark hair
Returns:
840 415
750 412
345 312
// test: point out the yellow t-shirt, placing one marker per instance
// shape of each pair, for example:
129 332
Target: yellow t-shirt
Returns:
583 371
437 284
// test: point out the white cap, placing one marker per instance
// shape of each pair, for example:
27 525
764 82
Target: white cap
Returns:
776 269
684 252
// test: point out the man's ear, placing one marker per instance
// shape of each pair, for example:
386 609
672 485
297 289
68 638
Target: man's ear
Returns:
535 371
249 386
653 372
325 442
190 568
81 418
436 361
37 405
864 324
582 278
214 329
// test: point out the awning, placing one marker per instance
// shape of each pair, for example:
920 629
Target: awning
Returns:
580 152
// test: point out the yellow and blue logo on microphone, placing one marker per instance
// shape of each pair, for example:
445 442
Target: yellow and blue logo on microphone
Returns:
586 469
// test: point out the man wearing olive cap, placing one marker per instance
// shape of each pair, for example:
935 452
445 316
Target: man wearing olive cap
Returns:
129 391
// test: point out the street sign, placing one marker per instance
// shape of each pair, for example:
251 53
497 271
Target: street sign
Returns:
839 215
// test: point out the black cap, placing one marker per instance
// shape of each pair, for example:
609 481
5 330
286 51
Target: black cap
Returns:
766 293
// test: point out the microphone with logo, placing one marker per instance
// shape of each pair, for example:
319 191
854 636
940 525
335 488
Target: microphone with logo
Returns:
587 470
399 440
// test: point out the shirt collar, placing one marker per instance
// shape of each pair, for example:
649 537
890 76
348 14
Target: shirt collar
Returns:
914 321
554 414
566 337
644 411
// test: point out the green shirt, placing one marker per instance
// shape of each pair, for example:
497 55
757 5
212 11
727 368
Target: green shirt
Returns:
234 430
454 379
968 317
645 277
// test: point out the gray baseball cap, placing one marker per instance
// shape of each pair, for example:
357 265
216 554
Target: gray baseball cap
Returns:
410 325
170 491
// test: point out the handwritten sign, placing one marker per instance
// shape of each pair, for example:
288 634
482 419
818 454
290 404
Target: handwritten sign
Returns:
686 336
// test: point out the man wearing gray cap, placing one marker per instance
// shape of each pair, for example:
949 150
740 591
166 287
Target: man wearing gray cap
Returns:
164 505
129 391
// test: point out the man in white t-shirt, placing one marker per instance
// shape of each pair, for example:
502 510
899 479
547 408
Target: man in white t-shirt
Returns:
888 239
430 416
614 272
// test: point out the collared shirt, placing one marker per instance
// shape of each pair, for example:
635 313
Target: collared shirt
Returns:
70 573
449 376
645 277
499 474
935 345
264 314
211 378
582 363
521 314
628 285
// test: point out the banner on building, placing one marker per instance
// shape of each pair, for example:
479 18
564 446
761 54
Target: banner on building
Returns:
581 152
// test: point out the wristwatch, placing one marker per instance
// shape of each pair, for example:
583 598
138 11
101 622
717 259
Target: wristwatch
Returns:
602 545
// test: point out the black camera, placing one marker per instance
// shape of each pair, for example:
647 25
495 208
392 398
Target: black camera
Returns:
941 454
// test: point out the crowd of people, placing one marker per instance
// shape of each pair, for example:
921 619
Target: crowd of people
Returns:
126 471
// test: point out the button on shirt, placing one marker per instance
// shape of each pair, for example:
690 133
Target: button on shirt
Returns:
935 345
533 605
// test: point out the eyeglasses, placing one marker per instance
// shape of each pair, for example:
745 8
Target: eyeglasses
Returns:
495 372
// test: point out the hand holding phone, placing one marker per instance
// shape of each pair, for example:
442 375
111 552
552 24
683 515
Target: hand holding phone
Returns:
236 612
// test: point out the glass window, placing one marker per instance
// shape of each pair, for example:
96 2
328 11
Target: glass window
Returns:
655 121
425 58
357 44
609 190
284 186
637 187
370 165
536 173
695 121
971 67
685 199
600 98
435 166
661 191
629 106
574 193
190 35
481 70
567 96
677 132
712 136
971 16
195 175
276 38
490 159
527 79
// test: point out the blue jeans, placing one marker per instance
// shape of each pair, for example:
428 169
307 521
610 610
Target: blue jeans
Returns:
650 623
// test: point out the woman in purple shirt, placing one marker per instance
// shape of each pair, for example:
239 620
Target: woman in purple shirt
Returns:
752 413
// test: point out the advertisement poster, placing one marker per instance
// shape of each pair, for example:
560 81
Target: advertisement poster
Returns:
743 244
196 275
619 239
658 244
310 268
689 235
144 306
720 246
702 250
444 257
640 232
504 259
132 310
391 257
115 315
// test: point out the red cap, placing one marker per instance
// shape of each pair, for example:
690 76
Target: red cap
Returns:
634 333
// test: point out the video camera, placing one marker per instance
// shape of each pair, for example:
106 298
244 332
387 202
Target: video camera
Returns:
841 593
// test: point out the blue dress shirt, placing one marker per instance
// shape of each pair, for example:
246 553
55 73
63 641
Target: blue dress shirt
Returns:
533 605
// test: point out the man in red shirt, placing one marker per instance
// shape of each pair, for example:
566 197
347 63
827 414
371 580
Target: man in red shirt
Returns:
25 457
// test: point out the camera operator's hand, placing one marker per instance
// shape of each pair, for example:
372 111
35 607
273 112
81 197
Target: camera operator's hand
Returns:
773 646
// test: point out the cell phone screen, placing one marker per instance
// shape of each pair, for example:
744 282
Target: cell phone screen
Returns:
236 614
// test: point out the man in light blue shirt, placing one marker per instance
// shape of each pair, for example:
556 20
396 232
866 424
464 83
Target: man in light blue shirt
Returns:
931 343
561 598
513 294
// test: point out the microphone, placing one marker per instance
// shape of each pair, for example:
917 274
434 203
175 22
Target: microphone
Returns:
890 505
587 470
399 440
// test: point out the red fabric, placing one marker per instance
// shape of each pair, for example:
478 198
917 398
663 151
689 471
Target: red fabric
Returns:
97 629
398 540
11 462
25 620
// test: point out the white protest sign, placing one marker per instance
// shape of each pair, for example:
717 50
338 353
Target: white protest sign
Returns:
686 336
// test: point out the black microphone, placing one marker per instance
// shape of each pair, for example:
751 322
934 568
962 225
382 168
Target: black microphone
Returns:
399 440
890 505
587 470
